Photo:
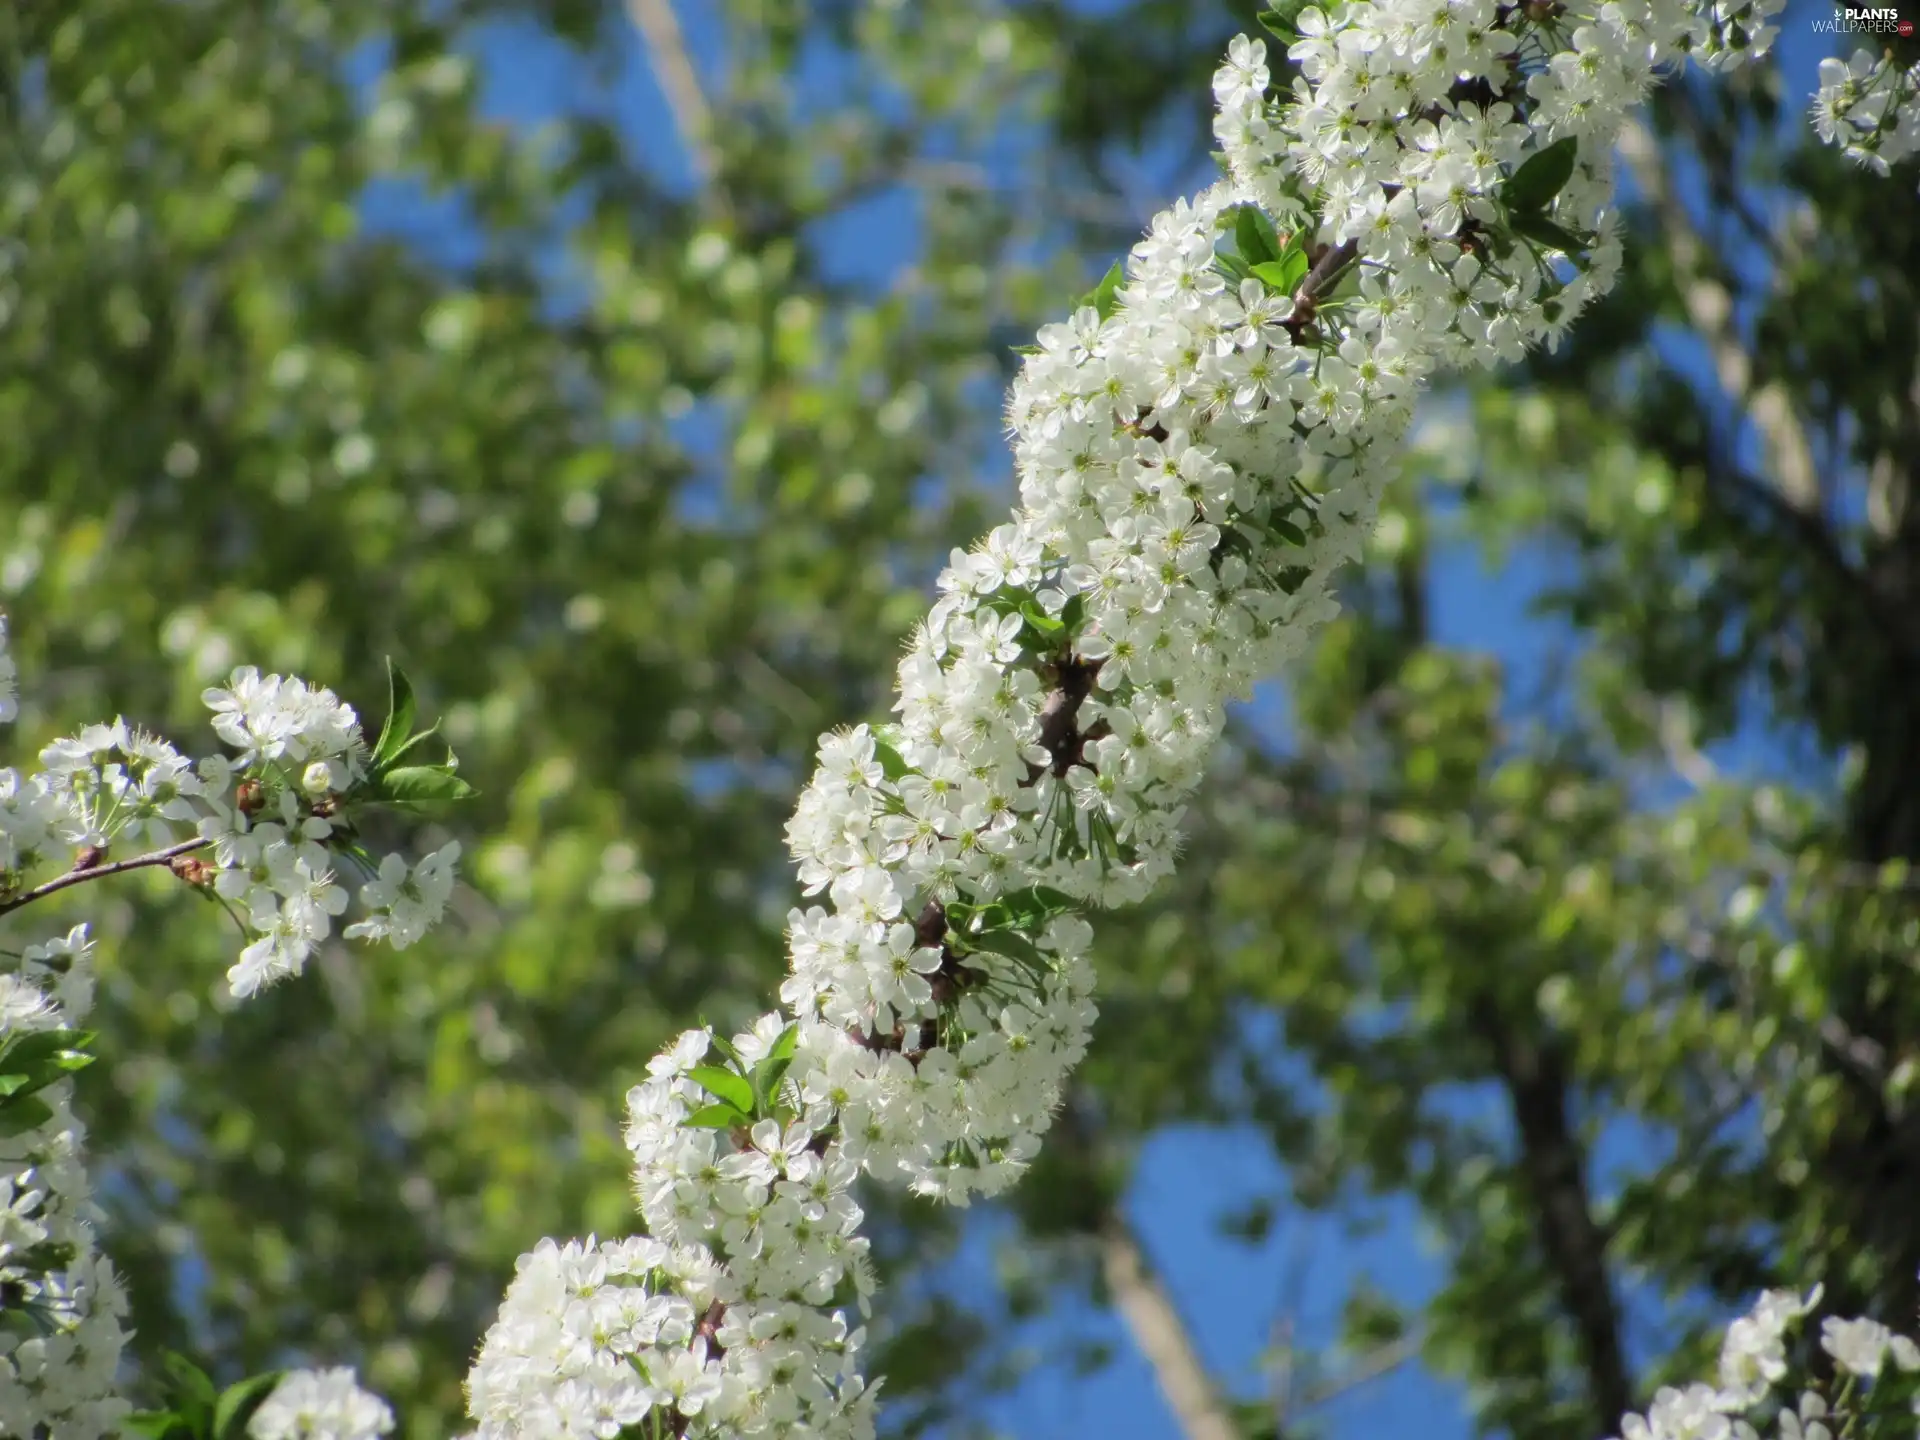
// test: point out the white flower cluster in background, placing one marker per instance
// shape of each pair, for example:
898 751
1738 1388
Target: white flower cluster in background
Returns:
1198 451
1869 106
271 820
261 828
62 1327
1877 1383
320 1405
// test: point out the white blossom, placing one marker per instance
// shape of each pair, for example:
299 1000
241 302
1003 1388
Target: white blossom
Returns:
1870 107
320 1405
57 1375
1193 468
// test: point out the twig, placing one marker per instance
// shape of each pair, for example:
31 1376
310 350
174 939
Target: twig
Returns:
679 83
1372 1366
96 872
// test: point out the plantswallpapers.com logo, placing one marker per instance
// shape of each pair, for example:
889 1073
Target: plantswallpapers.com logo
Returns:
1865 20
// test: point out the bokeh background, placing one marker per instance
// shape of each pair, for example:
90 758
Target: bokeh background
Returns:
1540 981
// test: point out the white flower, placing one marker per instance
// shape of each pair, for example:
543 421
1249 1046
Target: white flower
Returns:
1857 1346
1753 1356
60 1382
1808 1421
405 903
320 1405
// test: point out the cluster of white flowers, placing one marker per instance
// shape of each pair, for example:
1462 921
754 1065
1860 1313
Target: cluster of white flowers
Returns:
1870 106
320 1405
62 1314
716 1322
269 820
592 1338
1198 452
275 864
1754 1368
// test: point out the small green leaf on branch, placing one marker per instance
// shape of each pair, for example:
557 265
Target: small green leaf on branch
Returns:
1532 187
397 733
1253 232
1104 297
724 1085
1282 19
1543 231
238 1402
1283 276
717 1117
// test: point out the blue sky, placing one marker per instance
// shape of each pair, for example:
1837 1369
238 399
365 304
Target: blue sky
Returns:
1190 1179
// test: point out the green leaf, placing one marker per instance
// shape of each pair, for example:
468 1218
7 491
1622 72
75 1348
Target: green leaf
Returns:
156 1424
722 1044
717 1117
1283 19
40 1046
768 1074
723 1085
238 1402
401 708
402 751
892 764
1010 943
1253 232
1287 531
993 916
1104 297
786 1045
1044 625
1074 613
1031 908
21 1113
194 1397
1233 267
424 784
1283 276
1532 187
1545 232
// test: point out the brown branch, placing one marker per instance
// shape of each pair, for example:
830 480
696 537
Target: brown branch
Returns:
1534 1071
98 872
1323 272
1060 733
1326 269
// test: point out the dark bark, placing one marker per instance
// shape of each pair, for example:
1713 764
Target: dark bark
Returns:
1534 1069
